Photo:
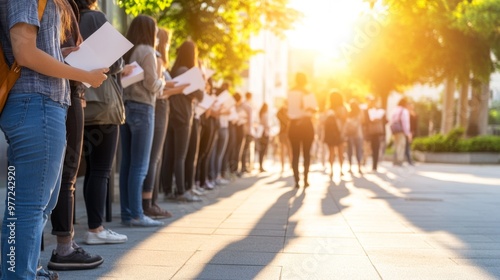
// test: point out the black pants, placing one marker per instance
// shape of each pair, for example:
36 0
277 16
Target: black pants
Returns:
174 156
263 144
207 136
235 156
227 163
245 152
301 134
192 154
100 143
152 180
62 215
375 145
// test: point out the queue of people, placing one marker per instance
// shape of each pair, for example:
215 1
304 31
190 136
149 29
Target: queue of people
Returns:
169 143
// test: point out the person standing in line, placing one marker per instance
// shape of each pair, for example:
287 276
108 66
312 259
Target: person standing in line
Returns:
137 132
334 129
264 139
222 140
179 128
100 143
247 130
67 254
284 121
401 118
34 123
353 130
238 136
301 107
375 129
152 180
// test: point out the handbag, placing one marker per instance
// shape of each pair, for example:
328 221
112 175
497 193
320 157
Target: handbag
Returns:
397 126
9 75
104 104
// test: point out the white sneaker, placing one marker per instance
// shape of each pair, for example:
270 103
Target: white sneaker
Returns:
189 197
106 236
221 182
198 191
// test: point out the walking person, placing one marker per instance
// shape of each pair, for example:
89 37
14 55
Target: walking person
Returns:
301 107
334 130
400 127
413 130
353 131
33 121
67 254
137 132
264 138
284 141
375 129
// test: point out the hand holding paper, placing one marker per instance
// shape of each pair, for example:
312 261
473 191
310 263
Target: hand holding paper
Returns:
194 78
100 50
135 76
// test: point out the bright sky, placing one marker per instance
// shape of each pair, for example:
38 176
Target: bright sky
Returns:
326 25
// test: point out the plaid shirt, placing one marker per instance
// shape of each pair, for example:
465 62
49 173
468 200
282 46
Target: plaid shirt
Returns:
26 11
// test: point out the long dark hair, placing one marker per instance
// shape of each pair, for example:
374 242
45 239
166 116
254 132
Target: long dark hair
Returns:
163 42
187 56
263 109
86 4
142 31
336 100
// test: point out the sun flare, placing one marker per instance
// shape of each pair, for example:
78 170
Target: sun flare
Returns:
326 24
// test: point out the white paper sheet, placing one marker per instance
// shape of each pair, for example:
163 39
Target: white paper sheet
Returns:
137 75
100 50
222 97
194 78
375 114
207 101
208 73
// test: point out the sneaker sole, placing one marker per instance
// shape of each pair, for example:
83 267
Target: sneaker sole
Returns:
73 266
102 242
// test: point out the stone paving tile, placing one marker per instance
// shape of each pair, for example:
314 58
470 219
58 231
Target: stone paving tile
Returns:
405 224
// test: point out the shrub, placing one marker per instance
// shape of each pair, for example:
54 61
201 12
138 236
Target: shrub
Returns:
454 142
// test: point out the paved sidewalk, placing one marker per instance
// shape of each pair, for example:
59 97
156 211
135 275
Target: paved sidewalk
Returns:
424 222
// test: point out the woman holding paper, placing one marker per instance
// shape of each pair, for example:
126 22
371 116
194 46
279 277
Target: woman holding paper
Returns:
137 132
179 127
33 121
301 107
100 142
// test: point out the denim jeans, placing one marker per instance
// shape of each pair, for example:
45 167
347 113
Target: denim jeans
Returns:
355 144
35 130
137 139
219 151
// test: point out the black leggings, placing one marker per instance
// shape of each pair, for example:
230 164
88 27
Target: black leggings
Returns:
192 154
207 136
62 215
100 143
301 134
174 156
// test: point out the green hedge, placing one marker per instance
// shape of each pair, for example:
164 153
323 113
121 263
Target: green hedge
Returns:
454 142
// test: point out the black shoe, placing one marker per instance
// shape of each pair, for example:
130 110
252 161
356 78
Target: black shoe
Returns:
79 259
297 185
42 274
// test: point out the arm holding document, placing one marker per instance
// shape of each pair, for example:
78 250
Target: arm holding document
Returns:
172 88
27 54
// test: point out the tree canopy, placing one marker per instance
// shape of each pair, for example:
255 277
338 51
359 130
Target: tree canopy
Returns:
220 28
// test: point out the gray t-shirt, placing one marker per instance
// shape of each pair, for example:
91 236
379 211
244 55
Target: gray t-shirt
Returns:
48 40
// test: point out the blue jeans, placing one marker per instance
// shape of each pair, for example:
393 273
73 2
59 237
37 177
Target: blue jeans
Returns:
137 138
35 129
219 151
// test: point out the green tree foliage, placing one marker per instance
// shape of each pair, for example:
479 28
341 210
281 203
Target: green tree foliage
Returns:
220 28
428 41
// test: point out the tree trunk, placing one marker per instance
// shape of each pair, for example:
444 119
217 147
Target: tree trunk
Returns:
448 106
478 121
463 107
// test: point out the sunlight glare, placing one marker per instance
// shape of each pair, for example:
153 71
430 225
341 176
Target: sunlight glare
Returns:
326 24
